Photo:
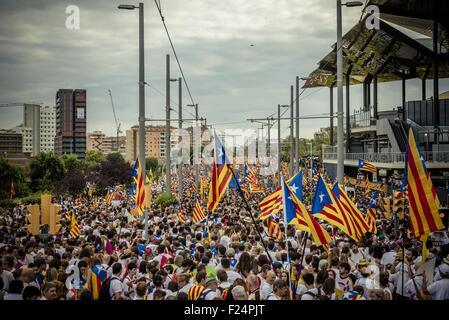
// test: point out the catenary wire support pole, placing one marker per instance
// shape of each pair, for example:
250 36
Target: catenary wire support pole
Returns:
297 126
292 142
340 133
180 166
279 145
167 129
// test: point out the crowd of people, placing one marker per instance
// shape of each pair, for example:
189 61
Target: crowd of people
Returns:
231 258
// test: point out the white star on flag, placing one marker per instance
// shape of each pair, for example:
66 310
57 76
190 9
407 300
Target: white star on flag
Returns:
294 187
321 197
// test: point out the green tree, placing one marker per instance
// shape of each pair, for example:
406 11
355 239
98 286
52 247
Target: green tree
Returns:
11 173
46 170
152 164
70 162
113 171
94 158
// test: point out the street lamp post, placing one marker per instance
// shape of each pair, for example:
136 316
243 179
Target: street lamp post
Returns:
340 132
141 96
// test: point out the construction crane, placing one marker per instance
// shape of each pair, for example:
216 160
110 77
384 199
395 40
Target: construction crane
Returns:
18 104
117 124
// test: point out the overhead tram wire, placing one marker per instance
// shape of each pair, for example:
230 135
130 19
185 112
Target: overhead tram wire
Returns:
158 5
174 102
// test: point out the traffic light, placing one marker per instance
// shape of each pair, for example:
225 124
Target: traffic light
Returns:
399 204
45 208
444 215
54 219
33 219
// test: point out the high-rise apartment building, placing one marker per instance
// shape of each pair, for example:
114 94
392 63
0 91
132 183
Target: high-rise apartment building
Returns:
47 129
71 122
154 143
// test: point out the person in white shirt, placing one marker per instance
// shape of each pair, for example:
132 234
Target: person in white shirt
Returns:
438 290
184 282
342 280
280 290
232 275
211 291
267 286
15 291
116 287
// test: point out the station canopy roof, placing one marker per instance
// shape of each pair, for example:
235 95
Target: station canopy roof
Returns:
402 43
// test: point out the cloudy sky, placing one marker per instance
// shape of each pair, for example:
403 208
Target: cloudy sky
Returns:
229 79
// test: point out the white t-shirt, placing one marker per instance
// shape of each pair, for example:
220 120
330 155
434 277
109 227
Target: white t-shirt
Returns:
266 289
439 290
116 286
7 278
343 284
313 293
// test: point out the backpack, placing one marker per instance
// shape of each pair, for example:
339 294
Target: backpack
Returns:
104 290
204 294
313 295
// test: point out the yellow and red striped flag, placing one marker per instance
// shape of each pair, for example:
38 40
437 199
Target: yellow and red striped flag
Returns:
327 206
245 191
423 206
355 218
274 231
74 228
366 166
198 213
221 174
293 207
194 292
140 187
181 217
367 188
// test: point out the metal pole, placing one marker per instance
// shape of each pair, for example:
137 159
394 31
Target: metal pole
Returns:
292 142
269 137
348 119
436 98
197 168
340 133
297 126
331 113
167 128
180 186
375 112
403 95
279 145
142 105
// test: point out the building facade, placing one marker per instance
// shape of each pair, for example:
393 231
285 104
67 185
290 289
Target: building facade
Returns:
10 142
154 143
71 122
47 129
97 140
27 138
32 119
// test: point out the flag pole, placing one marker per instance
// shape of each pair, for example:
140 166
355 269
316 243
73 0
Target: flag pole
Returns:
250 214
306 236
286 241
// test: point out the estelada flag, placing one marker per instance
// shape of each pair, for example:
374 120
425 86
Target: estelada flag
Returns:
423 203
